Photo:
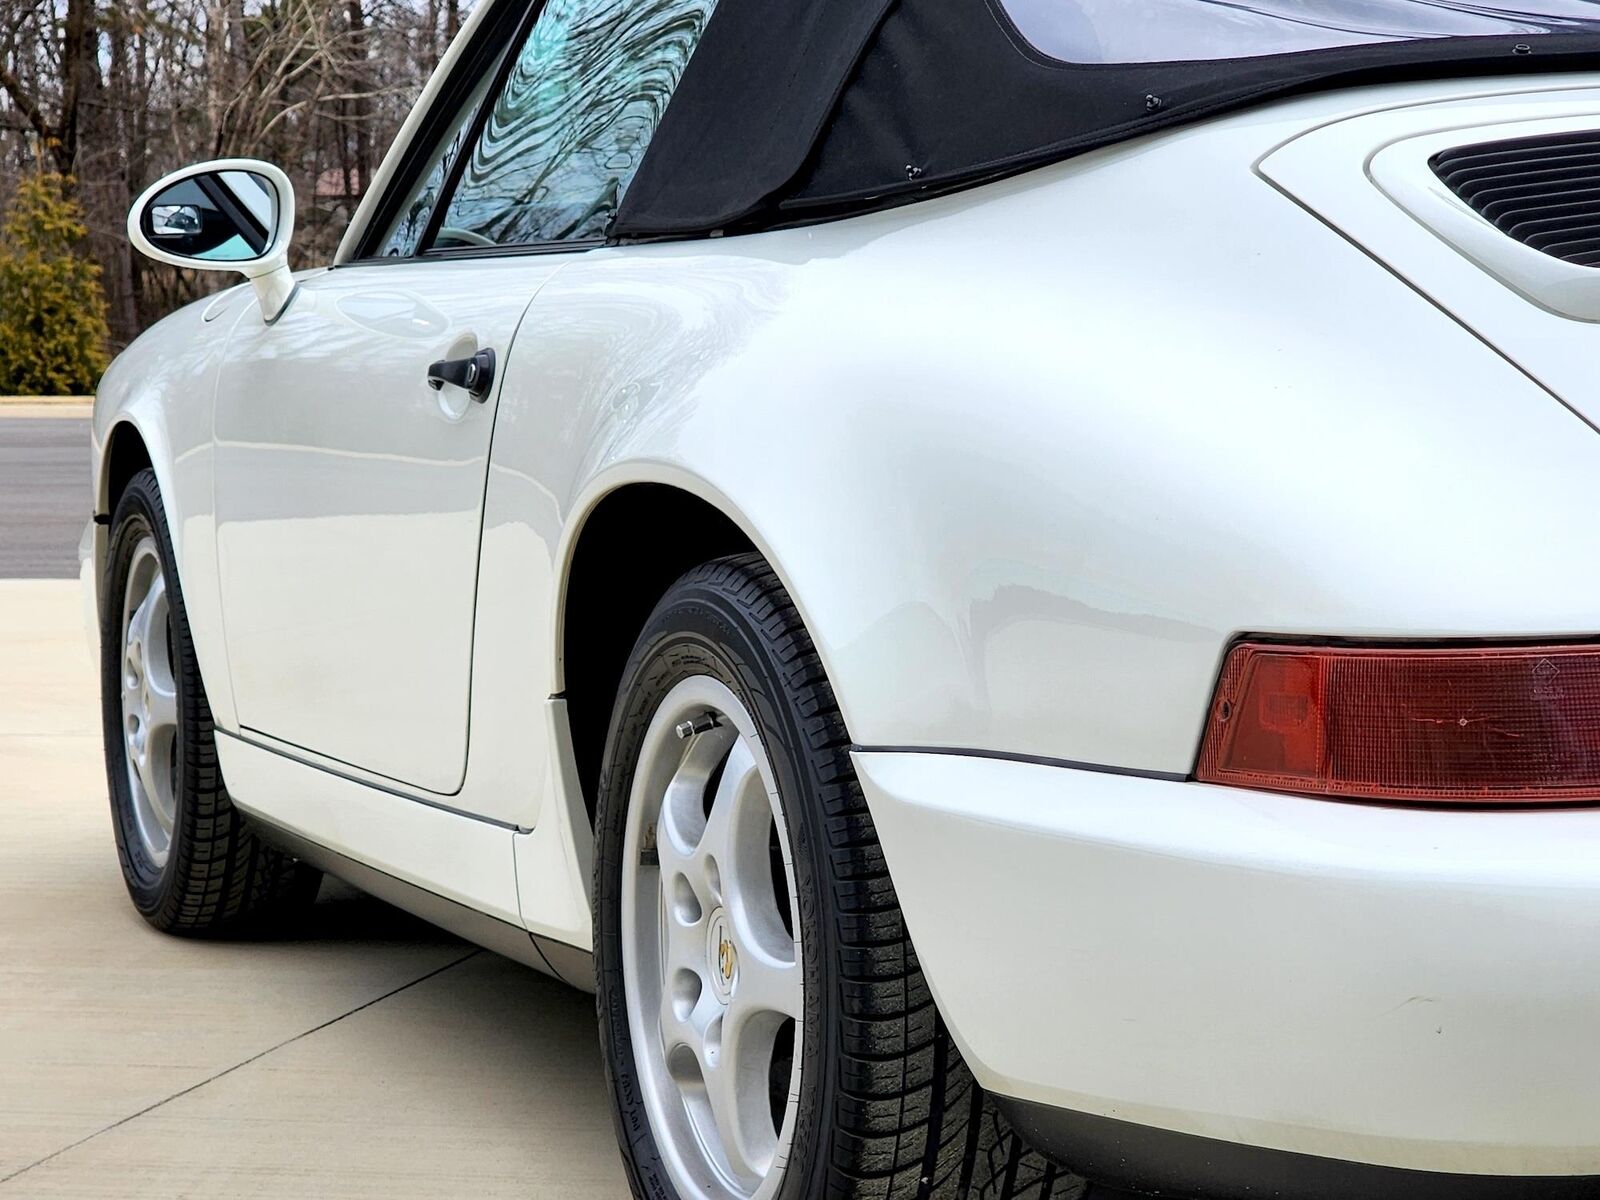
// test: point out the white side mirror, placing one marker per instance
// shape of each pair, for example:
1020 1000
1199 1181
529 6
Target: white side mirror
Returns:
230 214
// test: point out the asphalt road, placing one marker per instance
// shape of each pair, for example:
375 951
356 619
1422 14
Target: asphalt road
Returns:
44 495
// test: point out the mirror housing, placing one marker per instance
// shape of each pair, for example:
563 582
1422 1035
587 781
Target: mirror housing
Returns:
228 214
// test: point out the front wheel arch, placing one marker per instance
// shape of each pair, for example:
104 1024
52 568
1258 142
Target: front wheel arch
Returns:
125 456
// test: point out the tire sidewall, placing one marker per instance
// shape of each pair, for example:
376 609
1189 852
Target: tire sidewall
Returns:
137 515
697 632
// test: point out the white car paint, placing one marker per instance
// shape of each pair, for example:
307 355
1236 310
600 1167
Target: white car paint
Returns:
1028 458
1386 985
1538 311
350 499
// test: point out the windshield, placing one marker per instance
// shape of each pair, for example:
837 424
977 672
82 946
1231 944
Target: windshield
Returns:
1143 31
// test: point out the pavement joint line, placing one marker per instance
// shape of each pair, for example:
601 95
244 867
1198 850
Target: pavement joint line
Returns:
194 1087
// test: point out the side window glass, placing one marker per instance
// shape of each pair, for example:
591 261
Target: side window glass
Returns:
572 123
411 222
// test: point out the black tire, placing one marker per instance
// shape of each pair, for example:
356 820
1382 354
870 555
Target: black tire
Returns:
219 877
887 1107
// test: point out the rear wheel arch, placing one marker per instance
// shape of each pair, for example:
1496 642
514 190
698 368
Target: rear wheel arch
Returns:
631 546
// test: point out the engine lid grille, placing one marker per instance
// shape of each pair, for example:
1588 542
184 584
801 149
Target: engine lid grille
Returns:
1542 191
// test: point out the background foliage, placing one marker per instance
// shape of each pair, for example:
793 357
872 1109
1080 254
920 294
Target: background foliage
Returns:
52 311
112 94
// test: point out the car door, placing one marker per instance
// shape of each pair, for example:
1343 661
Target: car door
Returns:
349 499
349 495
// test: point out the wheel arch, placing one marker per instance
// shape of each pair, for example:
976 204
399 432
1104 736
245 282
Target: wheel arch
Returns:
136 435
126 454
632 541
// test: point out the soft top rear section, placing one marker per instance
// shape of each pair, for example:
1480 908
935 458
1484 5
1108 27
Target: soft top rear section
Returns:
792 112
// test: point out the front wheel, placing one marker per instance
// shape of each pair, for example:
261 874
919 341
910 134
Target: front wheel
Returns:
767 1031
191 861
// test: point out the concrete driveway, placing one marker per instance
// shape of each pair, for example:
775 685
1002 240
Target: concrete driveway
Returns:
370 1056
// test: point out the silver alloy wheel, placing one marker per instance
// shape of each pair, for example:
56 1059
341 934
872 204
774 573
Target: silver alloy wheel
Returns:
149 701
711 948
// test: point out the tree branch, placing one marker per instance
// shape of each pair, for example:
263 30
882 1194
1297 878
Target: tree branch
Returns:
25 105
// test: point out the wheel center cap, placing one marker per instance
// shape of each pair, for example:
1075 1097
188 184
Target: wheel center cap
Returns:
721 955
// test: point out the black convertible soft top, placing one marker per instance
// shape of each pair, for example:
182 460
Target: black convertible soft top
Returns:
800 109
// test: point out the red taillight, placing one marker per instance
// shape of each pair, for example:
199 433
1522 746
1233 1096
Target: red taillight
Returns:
1505 726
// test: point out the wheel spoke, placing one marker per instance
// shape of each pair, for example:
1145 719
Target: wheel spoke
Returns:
161 709
684 989
681 834
743 817
722 824
768 984
684 1018
158 670
132 670
138 638
685 935
674 857
736 1089
144 763
162 806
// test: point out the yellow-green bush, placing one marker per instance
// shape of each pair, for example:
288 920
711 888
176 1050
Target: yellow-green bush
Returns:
52 308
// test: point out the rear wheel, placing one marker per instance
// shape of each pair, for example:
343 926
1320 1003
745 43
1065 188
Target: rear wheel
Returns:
766 1028
190 859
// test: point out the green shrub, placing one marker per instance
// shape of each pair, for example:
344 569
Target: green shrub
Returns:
52 309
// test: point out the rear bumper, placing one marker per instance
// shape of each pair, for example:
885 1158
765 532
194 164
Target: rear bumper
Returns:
1399 988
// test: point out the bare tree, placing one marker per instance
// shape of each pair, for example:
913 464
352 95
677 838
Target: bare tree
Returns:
116 92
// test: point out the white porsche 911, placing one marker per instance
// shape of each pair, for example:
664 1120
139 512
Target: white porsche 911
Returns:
1014 584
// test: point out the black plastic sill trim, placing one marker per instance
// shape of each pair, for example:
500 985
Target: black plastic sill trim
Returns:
1144 1159
1031 759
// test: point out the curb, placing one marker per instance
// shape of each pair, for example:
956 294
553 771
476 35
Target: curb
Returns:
61 408
41 401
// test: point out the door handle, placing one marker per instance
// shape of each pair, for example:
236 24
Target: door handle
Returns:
474 374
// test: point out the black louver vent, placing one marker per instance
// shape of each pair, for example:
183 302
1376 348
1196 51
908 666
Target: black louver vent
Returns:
1543 191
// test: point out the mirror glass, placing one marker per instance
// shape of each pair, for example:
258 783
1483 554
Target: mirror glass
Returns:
218 216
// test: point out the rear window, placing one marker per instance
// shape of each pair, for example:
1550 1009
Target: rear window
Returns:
1146 31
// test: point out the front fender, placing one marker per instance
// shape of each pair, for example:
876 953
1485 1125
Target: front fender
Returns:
162 389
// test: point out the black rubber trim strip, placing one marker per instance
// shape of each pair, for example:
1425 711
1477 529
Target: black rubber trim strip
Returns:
498 38
368 783
1125 1155
480 119
541 953
275 317
457 253
1031 759
235 212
